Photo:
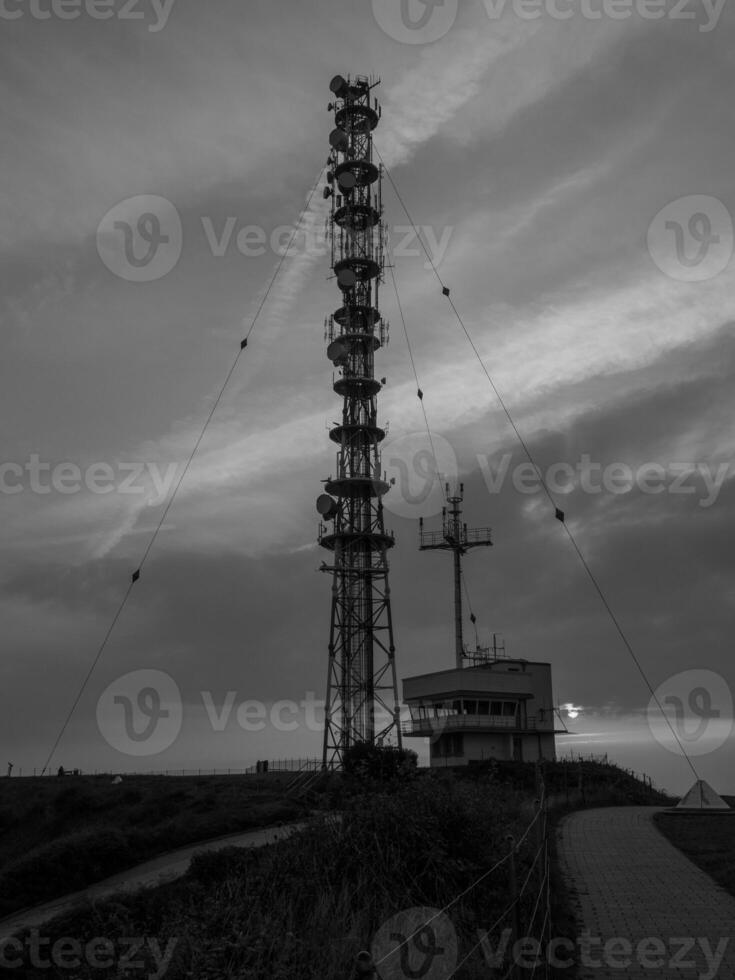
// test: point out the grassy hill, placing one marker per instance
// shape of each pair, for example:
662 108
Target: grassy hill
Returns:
59 835
306 906
707 839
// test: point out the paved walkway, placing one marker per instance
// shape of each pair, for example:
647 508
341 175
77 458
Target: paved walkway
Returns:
633 885
165 868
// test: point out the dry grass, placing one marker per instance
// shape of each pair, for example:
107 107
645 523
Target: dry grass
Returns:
59 835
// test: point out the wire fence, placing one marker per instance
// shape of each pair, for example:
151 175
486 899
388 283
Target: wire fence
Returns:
261 767
530 929
526 920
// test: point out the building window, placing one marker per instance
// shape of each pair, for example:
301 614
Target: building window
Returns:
496 707
509 708
470 707
447 745
483 707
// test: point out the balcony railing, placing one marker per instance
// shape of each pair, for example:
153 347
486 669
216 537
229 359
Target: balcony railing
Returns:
428 726
472 535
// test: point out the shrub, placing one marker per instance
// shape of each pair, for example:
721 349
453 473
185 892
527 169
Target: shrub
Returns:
366 761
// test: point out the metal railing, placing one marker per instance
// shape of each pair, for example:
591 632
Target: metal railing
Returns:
277 765
472 535
479 722
294 765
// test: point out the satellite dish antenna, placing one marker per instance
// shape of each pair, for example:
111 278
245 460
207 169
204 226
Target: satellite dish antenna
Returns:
346 278
338 139
337 352
339 86
327 506
346 180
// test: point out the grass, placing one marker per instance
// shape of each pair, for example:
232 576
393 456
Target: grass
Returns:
306 906
59 835
707 840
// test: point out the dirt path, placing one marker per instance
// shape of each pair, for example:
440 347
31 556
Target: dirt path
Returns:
157 871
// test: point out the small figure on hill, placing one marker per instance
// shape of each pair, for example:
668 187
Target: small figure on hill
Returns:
60 771
10 769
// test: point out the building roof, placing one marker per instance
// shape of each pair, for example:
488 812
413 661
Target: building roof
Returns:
482 668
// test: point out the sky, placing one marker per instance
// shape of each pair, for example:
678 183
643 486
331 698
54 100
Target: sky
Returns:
572 178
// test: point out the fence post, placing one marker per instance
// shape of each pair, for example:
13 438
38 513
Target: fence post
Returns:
513 900
364 966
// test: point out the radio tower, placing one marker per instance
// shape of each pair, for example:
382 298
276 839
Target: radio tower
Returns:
457 538
362 699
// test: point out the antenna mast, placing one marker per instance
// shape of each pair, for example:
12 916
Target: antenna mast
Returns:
362 697
457 538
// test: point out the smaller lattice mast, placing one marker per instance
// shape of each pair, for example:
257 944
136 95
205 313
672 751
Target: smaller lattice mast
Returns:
456 537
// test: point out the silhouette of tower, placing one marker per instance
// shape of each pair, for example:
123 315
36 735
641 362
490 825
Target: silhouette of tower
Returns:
362 698
457 538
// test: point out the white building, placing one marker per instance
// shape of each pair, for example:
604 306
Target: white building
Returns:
496 708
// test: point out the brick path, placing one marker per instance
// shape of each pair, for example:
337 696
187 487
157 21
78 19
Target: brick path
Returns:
628 881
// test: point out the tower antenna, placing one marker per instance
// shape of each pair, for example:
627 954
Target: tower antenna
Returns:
362 698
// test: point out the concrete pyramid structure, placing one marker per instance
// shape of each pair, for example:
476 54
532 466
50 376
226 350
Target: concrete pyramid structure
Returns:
701 797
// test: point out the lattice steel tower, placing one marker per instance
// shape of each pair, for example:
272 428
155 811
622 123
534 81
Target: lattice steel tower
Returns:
362 699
